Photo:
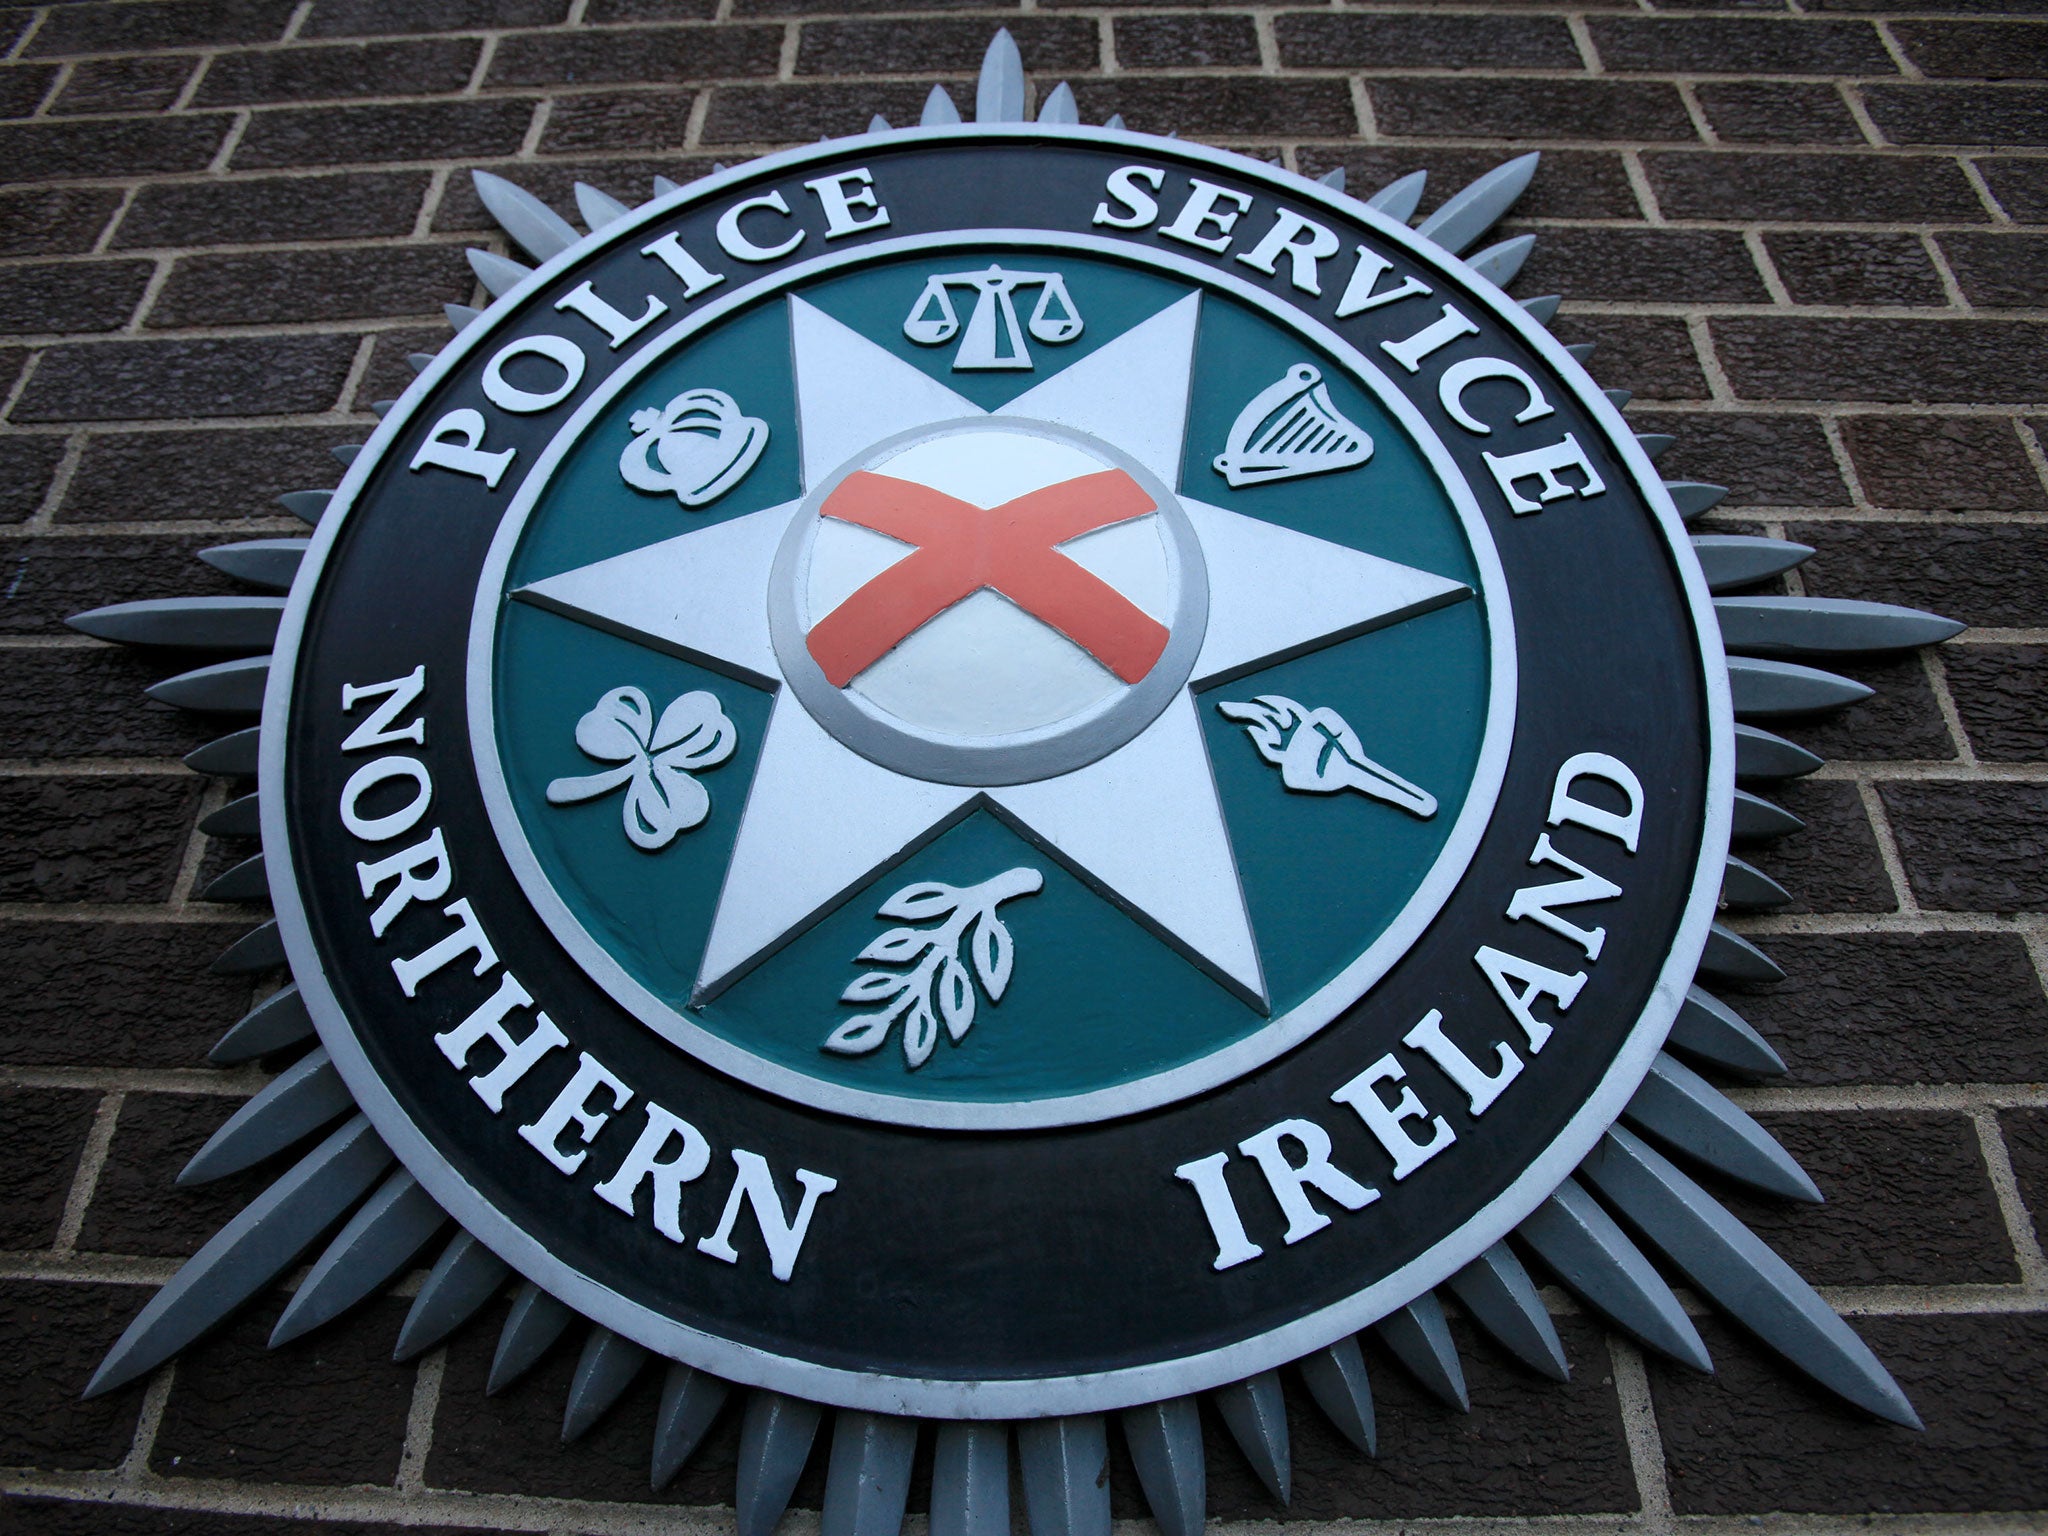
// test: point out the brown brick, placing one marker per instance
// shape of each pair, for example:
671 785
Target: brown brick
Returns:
23 87
114 839
71 296
1539 108
1981 575
1739 46
1985 1408
1947 463
1833 188
423 131
26 464
601 11
74 702
754 8
42 1132
2001 692
56 1334
651 57
54 577
640 120
1652 356
388 372
1855 268
1900 721
336 71
53 221
2002 115
553 181
1978 50
1048 43
1569 183
1832 866
144 84
133 146
228 472
1355 41
366 18
129 994
1763 460
2026 1144
165 380
1188 42
1904 1008
1999 270
1968 361
312 285
96 1516
1658 266
1972 847
137 1207
1909 1202
2021 187
1777 112
122 28
355 206
327 1409
1230 104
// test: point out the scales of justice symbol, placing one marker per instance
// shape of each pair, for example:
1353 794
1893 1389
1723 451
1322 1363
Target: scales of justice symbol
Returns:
1011 609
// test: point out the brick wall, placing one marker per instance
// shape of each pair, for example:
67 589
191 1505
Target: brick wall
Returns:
1811 235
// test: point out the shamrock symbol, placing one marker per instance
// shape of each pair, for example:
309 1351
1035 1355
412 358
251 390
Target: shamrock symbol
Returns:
656 756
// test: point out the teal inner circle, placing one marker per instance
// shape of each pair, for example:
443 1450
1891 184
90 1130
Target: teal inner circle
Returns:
1095 998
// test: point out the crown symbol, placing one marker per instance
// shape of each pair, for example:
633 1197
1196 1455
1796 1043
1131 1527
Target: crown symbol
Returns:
1289 429
704 442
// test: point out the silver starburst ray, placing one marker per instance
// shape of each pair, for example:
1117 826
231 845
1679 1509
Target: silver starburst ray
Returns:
1633 1193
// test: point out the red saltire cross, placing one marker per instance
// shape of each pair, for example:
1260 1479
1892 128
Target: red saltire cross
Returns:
962 548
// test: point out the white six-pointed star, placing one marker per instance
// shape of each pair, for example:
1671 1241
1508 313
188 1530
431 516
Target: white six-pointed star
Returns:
1141 822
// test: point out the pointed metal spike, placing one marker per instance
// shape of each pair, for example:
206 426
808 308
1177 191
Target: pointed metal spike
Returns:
1581 352
499 274
382 408
345 454
395 1223
878 124
460 1285
1694 497
535 227
1688 1114
1498 264
1501 1298
462 316
663 187
1708 1030
1333 179
718 166
1733 1267
260 949
230 757
187 623
999 93
1739 559
265 562
419 362
1065 1466
939 111
1655 444
1471 212
971 1479
306 506
1761 755
775 1442
1825 626
1618 398
1766 689
1060 107
290 1107
246 881
238 818
248 1253
597 208
1165 1441
605 1369
867 1481
535 1322
226 687
1543 309
1596 1261
276 1023
1755 817
1255 1412
1115 124
1336 1379
690 1400
1748 889
1420 1339
1731 957
1399 199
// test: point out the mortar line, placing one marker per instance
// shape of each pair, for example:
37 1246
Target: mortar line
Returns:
1774 284
1887 846
59 82
2019 1223
231 141
159 277
482 68
1639 183
1831 429
134 1466
419 1421
358 366
92 1159
1899 55
1985 195
104 242
211 799
29 34
2030 440
60 483
201 67
1639 1431
293 27
1939 260
1860 114
1582 39
1936 671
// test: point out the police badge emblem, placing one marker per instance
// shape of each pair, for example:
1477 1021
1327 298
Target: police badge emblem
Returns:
1012 772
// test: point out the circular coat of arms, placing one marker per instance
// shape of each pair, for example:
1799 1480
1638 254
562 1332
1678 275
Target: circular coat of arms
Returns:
998 775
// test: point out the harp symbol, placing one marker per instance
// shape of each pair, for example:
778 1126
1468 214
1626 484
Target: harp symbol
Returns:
1290 429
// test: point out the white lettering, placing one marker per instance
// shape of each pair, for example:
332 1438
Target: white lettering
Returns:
645 1162
1543 464
1538 901
574 1105
839 202
618 327
1365 276
733 241
1438 333
378 829
1505 970
520 1053
668 250
377 731
784 1237
1200 209
1567 807
1206 1175
422 872
1283 239
1479 1085
455 443
1287 1180
1139 206
1460 377
559 350
1387 1122
468 938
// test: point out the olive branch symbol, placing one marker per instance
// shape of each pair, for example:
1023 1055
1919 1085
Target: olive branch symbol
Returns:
937 987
